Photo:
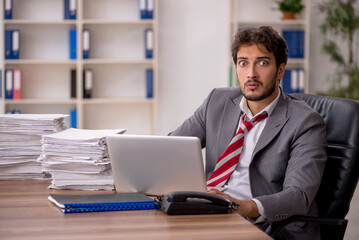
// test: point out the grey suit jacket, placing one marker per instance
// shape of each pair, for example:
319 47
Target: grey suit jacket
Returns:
288 160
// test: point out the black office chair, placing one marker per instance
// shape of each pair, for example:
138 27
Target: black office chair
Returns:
341 171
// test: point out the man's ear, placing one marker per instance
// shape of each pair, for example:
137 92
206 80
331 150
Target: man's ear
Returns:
281 70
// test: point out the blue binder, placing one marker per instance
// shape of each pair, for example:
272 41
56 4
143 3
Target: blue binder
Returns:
102 202
70 9
288 37
73 43
286 81
7 9
8 44
15 45
142 7
301 80
73 118
300 42
148 43
295 42
149 9
149 83
9 88
86 44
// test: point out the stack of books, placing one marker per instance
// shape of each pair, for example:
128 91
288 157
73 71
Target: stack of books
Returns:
20 143
78 159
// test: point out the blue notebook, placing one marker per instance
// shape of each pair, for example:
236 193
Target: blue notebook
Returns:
102 202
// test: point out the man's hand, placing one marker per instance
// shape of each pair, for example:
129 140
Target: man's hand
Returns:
247 208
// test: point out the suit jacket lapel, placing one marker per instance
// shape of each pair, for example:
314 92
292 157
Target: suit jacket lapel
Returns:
275 123
228 124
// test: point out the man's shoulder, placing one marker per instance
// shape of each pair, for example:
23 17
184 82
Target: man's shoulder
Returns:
298 107
231 92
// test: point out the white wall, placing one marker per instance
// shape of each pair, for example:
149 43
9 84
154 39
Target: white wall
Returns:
194 36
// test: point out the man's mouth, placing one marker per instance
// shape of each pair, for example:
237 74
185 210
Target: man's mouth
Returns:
253 84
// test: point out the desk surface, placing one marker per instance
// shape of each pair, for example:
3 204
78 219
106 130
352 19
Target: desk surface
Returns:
26 213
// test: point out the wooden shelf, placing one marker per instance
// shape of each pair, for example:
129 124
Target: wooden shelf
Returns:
271 22
40 62
117 61
41 101
39 22
118 100
120 22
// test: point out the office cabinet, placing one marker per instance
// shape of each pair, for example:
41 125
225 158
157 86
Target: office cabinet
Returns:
53 79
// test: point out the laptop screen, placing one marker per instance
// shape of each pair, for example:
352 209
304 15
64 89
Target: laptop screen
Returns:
156 165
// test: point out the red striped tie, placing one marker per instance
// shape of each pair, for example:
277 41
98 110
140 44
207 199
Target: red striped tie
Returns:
228 160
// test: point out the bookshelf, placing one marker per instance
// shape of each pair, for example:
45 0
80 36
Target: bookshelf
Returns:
117 60
247 13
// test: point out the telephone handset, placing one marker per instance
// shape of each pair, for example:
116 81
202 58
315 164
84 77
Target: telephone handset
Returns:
189 202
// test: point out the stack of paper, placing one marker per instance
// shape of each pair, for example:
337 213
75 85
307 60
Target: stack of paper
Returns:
20 143
78 159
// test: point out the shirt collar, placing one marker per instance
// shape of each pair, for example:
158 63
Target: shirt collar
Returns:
269 108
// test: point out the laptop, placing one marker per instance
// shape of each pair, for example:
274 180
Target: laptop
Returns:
156 165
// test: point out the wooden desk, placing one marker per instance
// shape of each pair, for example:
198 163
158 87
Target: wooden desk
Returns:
26 213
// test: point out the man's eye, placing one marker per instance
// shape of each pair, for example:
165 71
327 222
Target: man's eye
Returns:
242 63
263 63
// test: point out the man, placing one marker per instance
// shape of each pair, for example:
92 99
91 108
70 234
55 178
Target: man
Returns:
276 170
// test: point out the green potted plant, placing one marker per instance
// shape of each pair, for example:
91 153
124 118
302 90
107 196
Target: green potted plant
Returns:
341 24
289 8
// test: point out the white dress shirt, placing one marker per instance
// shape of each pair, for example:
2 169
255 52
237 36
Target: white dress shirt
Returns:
238 185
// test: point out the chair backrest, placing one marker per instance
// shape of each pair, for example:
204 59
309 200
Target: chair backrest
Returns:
341 172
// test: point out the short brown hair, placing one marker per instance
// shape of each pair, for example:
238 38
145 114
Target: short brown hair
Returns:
264 35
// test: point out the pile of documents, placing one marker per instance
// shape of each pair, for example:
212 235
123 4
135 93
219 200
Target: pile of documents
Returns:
78 159
20 143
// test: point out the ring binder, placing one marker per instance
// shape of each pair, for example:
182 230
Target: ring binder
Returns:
8 9
102 202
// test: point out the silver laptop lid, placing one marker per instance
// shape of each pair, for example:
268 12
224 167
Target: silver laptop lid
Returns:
156 165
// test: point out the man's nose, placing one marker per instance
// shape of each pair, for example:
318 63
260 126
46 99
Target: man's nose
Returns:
252 72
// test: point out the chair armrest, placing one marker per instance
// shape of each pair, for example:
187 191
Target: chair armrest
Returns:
278 226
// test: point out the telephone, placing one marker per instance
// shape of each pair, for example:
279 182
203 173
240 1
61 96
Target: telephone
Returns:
189 202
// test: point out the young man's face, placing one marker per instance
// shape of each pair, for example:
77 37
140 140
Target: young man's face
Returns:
257 73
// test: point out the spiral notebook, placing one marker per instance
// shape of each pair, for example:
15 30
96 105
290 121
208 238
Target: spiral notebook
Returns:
102 202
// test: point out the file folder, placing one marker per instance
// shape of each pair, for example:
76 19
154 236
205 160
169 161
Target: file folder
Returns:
142 7
148 43
294 81
8 44
301 84
149 83
15 44
286 82
73 118
70 9
8 84
300 36
295 42
149 9
86 43
73 83
7 9
73 44
17 83
102 202
87 83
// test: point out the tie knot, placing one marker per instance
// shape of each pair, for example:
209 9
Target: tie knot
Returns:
248 125
260 117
